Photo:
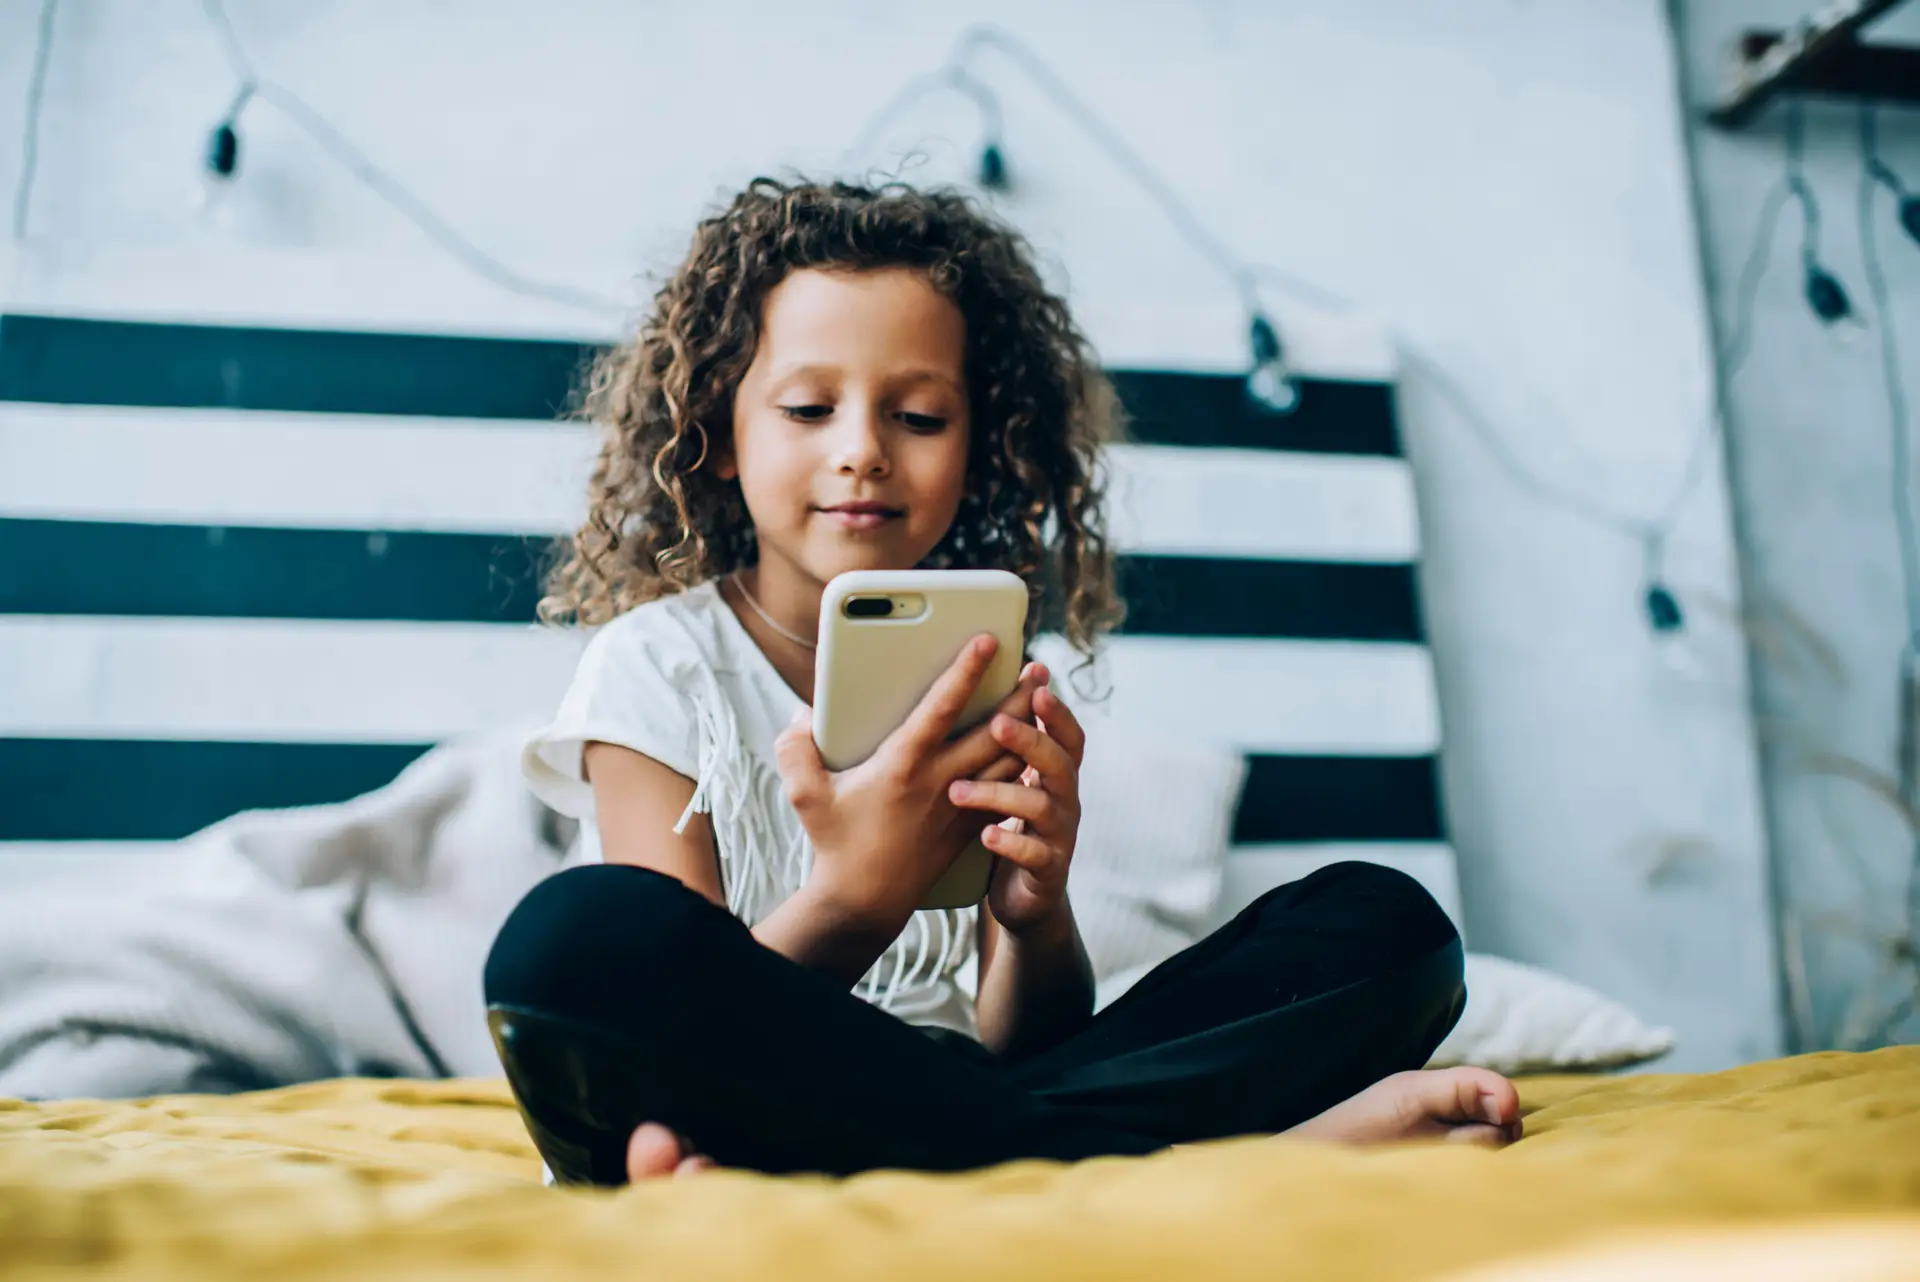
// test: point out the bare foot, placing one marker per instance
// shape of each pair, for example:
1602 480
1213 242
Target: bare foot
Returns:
1474 1105
655 1151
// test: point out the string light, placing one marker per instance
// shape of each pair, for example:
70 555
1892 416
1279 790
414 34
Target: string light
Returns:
223 157
1824 293
223 143
1878 172
1271 382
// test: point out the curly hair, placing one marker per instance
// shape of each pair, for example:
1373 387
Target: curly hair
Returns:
661 520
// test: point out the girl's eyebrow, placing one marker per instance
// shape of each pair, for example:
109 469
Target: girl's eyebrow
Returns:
827 373
833 374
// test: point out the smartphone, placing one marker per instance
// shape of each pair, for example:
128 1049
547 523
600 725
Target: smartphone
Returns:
885 637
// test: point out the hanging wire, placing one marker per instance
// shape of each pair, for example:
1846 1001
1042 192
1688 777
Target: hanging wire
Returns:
30 126
1873 174
384 185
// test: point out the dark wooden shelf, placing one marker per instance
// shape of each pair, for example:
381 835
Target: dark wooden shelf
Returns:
1823 55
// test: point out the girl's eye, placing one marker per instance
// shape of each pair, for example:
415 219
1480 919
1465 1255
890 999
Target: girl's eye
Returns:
806 413
922 422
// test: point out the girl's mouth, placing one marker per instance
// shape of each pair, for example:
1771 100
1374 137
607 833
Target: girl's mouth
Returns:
861 515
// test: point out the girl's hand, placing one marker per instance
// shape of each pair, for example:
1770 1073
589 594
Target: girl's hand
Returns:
1029 888
884 831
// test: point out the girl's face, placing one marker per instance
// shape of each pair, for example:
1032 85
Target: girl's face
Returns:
850 427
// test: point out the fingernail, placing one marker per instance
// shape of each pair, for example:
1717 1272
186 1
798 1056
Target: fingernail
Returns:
960 790
1491 1107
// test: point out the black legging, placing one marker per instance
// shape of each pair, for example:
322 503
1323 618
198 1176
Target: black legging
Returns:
617 996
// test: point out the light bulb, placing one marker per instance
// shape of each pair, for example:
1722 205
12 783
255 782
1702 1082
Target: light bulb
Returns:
1274 388
993 168
1663 609
223 150
1673 642
1269 382
1827 296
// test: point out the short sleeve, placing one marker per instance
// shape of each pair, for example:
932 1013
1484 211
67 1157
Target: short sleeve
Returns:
630 689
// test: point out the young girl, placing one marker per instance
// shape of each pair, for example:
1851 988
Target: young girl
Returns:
842 378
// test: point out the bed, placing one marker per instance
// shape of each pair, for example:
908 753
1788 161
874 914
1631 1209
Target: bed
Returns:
253 501
1812 1161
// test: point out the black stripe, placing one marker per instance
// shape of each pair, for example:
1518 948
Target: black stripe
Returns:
99 567
1192 596
157 790
73 361
1294 799
69 361
1334 416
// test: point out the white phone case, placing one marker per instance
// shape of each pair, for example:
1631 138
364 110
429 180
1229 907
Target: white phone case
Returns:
870 672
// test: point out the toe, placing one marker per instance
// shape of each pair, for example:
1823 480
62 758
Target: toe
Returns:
1475 1095
1499 1099
692 1166
1479 1133
652 1152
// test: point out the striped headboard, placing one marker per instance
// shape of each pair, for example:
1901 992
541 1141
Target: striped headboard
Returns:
245 566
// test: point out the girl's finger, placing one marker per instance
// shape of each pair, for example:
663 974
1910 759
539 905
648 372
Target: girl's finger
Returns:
927 726
1024 849
798 759
1062 725
1030 804
1019 704
1007 766
1040 750
968 756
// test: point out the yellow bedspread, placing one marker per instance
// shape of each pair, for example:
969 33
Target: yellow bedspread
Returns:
403 1179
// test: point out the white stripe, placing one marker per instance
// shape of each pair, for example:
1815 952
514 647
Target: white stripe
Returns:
39 862
1262 503
357 471
1303 697
235 284
356 682
1251 871
336 471
275 680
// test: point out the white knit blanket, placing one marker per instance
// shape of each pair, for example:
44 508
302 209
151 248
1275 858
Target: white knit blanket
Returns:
279 946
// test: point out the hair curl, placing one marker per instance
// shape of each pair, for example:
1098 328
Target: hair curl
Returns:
660 519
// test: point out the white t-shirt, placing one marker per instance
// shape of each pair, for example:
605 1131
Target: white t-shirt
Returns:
681 681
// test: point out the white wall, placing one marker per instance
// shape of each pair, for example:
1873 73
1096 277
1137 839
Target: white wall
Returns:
1503 182
1812 474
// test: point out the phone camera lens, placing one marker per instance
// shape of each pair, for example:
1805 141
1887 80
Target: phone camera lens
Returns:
869 607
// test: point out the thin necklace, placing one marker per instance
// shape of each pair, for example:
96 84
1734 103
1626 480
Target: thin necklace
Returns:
766 618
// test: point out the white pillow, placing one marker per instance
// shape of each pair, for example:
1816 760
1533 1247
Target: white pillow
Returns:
1156 816
1521 1019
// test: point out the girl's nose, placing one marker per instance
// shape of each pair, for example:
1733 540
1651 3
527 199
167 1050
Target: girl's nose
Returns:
861 447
